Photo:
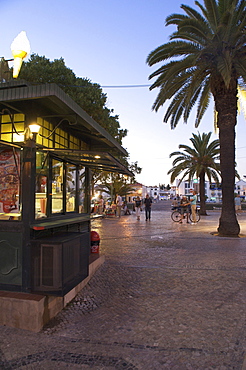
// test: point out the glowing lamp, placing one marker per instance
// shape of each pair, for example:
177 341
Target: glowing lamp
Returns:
34 128
20 48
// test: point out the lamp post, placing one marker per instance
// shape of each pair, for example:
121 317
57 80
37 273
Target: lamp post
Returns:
28 196
34 130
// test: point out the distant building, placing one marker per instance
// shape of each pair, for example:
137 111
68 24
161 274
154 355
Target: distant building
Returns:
240 188
213 191
153 192
183 187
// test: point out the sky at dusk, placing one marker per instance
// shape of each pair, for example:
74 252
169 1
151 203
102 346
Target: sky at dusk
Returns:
108 41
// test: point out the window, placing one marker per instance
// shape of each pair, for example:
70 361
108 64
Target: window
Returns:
57 186
71 180
61 138
82 190
12 131
41 184
60 188
45 136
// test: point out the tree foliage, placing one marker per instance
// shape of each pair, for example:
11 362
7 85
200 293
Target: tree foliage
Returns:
199 160
206 57
88 95
114 183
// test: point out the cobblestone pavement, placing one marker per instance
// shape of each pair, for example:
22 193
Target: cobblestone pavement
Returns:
169 296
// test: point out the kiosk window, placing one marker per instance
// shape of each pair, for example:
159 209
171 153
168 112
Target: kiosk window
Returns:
41 185
57 186
82 190
71 181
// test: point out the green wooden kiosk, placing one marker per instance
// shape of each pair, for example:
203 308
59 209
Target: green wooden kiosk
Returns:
45 187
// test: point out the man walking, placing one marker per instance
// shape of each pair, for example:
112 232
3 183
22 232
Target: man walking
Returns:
193 201
147 202
118 205
238 207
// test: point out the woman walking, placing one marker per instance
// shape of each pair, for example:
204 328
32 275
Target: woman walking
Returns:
138 207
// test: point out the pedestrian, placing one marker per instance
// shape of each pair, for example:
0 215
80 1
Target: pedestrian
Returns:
238 206
184 208
138 208
101 205
113 207
147 203
193 201
118 205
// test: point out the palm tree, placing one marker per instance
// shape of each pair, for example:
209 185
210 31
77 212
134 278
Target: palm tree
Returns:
197 161
206 55
117 185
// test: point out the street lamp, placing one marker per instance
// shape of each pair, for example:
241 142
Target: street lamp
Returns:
20 48
34 130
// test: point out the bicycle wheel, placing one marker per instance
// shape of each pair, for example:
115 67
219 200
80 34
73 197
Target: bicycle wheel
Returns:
176 216
197 217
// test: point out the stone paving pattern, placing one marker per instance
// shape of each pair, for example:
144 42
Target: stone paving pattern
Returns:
169 296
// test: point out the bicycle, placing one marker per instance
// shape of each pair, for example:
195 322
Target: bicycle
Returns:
177 217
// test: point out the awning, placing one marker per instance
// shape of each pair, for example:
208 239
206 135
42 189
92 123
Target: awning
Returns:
95 160
101 161
52 103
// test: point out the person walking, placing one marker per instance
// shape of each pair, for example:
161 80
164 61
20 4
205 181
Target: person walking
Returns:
118 205
101 205
238 206
138 209
147 203
193 200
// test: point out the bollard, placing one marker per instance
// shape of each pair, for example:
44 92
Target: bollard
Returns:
95 241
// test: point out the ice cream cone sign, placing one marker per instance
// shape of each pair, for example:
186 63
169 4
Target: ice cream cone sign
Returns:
20 48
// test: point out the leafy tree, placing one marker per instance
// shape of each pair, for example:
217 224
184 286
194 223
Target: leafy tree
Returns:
135 169
117 185
88 95
206 55
164 187
115 182
197 161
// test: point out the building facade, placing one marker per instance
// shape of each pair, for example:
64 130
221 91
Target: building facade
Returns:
213 191
240 188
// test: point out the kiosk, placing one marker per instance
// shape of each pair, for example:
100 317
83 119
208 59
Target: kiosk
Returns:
45 187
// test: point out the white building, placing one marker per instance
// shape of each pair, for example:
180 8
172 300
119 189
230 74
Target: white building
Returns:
213 191
240 188
153 192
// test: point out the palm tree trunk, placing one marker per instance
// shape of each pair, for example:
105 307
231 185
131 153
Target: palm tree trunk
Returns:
226 106
202 194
